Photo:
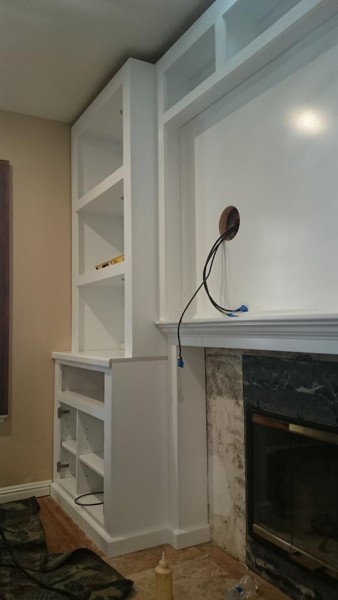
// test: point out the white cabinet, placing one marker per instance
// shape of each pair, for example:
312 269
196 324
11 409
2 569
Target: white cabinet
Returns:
110 438
110 445
115 215
81 406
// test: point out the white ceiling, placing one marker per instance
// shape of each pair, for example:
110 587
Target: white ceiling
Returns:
56 55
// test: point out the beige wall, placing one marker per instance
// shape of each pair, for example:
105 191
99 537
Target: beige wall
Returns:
39 152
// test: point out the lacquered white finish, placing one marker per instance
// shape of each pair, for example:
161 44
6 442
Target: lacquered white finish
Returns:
297 333
187 431
241 153
151 458
272 155
251 128
114 213
119 445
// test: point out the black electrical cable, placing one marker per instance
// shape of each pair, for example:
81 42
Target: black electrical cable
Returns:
76 500
211 258
28 573
206 273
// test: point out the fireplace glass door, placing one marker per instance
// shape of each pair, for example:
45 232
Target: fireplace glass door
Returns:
293 472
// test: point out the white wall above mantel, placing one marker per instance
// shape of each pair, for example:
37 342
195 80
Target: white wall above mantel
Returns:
287 333
247 146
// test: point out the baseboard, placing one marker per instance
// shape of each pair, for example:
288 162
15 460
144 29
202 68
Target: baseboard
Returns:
26 490
110 545
183 538
133 541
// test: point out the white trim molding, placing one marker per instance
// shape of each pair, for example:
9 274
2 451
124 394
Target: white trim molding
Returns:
290 333
110 545
25 490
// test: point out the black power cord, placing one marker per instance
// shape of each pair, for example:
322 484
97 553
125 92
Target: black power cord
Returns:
206 273
28 572
99 503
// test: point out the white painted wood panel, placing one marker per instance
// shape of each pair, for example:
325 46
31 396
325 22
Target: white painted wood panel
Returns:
271 152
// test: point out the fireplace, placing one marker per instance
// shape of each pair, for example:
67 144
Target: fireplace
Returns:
294 500
291 417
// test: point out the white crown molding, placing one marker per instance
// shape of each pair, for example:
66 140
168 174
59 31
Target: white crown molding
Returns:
295 333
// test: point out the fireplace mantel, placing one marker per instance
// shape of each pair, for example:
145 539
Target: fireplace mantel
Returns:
315 333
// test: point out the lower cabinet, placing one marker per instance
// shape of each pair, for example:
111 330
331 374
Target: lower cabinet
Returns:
110 449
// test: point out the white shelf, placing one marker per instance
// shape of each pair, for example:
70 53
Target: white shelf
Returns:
112 276
106 197
69 446
92 358
80 402
94 461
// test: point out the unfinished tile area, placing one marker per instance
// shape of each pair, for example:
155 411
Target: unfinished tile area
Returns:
226 455
201 572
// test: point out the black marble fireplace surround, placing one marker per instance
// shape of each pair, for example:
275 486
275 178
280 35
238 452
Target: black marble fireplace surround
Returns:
292 478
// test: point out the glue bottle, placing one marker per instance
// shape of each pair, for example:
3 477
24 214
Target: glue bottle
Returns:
163 580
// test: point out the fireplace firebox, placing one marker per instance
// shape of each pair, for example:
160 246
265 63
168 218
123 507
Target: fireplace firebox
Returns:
291 414
295 492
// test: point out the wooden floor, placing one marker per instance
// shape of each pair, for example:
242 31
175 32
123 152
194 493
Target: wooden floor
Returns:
62 534
202 572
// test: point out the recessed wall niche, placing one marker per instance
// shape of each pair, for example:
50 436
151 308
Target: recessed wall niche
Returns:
257 149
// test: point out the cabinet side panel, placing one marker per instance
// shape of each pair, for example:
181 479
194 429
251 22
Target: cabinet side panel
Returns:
139 472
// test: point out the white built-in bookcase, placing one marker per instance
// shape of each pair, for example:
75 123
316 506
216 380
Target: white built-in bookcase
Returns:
111 388
122 424
115 213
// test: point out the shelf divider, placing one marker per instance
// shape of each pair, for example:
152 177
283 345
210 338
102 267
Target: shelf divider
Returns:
111 275
99 193
94 461
69 445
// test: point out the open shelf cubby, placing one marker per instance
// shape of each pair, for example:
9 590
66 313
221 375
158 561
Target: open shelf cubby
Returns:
68 426
245 21
101 315
91 483
100 221
100 239
91 440
99 146
68 471
187 72
86 382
